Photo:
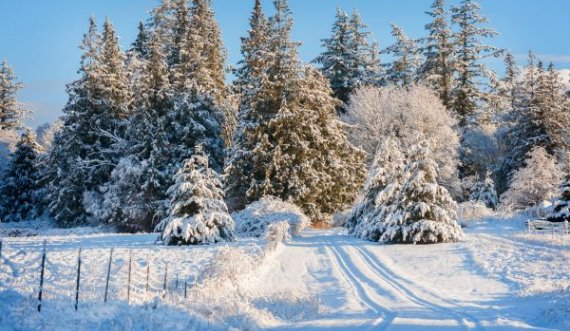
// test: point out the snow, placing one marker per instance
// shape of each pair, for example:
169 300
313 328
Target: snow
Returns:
254 220
498 278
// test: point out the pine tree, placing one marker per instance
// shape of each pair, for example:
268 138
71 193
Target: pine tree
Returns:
535 182
364 56
437 69
135 196
406 205
253 49
12 114
561 210
484 192
197 212
403 70
335 61
206 50
85 150
179 60
140 45
470 51
19 200
290 144
349 60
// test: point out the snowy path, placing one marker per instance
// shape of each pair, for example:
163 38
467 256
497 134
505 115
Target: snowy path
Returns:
365 286
498 279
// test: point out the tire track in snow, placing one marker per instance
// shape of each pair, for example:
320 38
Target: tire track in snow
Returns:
390 277
387 316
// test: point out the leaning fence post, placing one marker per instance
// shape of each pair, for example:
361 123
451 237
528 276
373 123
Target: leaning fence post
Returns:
78 279
108 275
129 277
42 278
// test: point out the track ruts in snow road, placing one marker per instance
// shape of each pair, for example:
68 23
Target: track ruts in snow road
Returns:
411 291
355 282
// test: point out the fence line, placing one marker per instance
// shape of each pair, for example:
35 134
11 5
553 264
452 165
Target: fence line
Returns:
66 278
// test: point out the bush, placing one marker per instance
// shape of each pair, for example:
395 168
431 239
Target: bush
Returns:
472 211
254 220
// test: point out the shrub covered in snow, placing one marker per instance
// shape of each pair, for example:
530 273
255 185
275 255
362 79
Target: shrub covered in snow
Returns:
472 211
254 220
561 211
197 212
536 182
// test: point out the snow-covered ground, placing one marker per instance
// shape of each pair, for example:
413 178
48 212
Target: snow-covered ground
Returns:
499 278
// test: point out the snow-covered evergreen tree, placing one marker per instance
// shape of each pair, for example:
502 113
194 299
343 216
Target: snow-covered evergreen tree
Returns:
406 205
206 51
364 56
253 49
140 45
403 70
349 59
197 212
561 210
537 181
484 192
290 144
85 150
335 59
135 197
537 119
12 114
470 51
19 188
437 68
416 114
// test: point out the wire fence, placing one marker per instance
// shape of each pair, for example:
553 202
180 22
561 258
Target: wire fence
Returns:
83 277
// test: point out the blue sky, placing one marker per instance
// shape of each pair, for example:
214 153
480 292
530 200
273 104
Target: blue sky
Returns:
40 38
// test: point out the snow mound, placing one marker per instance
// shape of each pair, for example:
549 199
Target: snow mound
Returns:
254 220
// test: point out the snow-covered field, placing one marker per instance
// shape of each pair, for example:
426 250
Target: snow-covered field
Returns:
499 278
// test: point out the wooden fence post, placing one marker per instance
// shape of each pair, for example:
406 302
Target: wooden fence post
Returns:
108 275
147 273
42 278
129 277
165 279
78 279
185 289
0 248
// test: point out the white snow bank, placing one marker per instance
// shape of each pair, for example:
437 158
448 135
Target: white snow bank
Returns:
254 220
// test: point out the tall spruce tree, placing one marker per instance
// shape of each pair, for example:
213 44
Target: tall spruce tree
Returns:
206 50
403 70
85 150
470 51
349 60
12 114
437 68
135 197
253 47
291 145
197 212
18 192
